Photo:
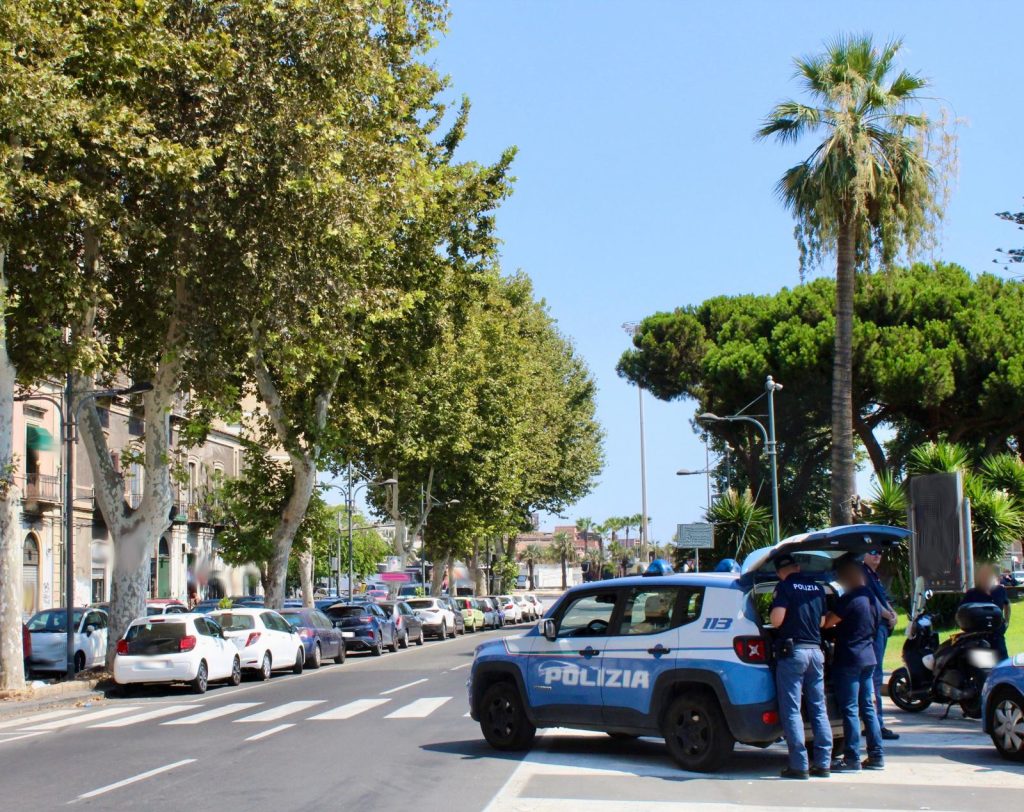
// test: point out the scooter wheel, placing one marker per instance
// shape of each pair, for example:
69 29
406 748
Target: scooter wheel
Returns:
899 693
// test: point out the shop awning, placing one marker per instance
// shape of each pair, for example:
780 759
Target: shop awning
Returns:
38 439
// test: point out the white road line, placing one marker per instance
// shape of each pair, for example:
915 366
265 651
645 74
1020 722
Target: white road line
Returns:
419 709
39 717
134 779
403 687
460 667
287 709
270 732
18 736
85 718
215 713
349 710
466 715
156 713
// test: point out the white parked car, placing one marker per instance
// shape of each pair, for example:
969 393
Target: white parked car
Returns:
525 608
177 647
513 611
437 617
535 602
49 639
265 641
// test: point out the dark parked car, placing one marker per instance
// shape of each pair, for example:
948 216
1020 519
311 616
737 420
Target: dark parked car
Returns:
26 645
320 637
365 627
408 625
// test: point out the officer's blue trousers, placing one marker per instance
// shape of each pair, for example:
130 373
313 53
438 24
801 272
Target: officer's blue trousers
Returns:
854 693
881 639
802 677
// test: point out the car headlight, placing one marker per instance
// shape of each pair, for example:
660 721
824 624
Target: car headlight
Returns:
982 658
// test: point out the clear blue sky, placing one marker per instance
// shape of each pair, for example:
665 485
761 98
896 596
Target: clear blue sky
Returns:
640 187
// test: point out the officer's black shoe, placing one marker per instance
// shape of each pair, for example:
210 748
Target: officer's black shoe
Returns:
841 765
873 764
799 775
820 772
889 735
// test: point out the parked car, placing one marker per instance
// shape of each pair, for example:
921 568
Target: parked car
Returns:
176 647
49 639
490 614
408 625
165 606
498 607
377 594
26 649
472 617
521 582
538 607
513 612
411 591
437 616
526 612
1002 710
364 626
460 622
320 637
247 600
264 640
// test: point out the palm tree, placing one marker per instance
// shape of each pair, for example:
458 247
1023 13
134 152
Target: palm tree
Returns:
583 525
531 554
866 189
563 548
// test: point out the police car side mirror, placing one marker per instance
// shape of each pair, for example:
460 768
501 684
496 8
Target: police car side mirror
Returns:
549 629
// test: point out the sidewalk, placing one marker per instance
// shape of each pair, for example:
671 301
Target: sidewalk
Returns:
82 691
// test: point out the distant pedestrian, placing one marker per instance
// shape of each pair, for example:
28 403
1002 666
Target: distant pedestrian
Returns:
987 590
872 560
856 617
797 614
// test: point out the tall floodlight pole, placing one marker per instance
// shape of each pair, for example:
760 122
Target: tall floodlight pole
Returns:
631 328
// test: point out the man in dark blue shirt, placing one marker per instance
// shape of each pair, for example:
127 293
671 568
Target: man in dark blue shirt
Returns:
856 616
988 590
872 560
798 610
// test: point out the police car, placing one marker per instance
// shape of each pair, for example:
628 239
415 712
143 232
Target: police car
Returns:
683 657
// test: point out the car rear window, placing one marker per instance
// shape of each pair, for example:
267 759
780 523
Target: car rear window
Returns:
422 604
347 611
232 622
147 639
294 619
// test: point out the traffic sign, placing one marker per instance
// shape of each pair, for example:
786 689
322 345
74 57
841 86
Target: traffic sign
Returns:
695 536
395 577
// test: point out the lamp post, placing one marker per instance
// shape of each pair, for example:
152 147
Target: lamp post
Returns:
68 423
631 328
350 491
424 497
770 388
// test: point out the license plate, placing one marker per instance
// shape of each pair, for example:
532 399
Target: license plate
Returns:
348 634
154 665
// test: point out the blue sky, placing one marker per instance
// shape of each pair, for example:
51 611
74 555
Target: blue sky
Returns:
640 187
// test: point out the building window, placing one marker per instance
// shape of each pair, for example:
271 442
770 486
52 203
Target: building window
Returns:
30 574
99 585
136 425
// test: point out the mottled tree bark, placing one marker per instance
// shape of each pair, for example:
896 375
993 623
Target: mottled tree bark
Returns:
843 481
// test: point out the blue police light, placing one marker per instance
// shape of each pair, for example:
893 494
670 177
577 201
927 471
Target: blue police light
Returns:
727 565
659 567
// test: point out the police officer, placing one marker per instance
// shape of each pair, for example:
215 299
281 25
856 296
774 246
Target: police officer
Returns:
872 559
797 613
856 616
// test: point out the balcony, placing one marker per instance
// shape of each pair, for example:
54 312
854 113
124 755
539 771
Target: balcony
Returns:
41 488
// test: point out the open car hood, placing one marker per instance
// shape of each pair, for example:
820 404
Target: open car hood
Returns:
816 551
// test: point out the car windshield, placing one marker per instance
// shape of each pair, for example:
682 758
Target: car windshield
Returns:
388 608
154 638
294 619
232 622
53 620
422 604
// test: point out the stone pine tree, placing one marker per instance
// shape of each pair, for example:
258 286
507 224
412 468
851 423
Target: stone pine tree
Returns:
868 190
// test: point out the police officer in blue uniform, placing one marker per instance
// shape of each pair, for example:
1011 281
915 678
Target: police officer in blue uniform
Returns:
888 621
797 613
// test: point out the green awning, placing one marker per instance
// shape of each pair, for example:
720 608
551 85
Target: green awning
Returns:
38 439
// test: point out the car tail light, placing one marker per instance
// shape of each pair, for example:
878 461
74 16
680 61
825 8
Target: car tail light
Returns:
770 717
122 646
26 640
372 634
305 634
187 643
750 649
251 639
366 619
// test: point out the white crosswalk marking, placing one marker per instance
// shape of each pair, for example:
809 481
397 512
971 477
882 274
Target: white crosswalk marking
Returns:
349 710
287 709
156 713
271 732
39 717
82 718
419 709
214 713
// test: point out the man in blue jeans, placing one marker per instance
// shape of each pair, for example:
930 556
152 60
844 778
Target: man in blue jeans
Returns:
797 613
856 616
872 560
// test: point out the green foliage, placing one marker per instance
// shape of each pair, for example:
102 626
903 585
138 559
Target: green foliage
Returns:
1012 254
506 572
741 525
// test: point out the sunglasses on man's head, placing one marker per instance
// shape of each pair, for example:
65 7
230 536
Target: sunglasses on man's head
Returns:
874 552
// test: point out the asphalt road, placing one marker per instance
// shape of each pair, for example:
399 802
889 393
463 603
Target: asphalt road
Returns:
394 736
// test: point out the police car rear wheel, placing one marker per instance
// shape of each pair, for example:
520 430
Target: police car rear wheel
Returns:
696 732
503 720
1006 723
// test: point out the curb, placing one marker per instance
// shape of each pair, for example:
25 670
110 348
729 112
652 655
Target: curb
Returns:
66 695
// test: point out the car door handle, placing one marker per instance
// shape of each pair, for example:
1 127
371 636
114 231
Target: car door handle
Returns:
658 650
589 652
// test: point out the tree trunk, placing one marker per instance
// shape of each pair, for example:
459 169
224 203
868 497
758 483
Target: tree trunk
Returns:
306 578
875 450
565 580
451 576
436 578
129 585
843 482
12 673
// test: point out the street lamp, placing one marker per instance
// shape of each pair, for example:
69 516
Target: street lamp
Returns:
770 388
632 328
350 494
68 423
423 524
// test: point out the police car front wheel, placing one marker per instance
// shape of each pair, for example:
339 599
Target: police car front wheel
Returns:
503 719
696 733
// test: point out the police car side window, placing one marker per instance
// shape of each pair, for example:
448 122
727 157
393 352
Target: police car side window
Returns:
588 616
654 610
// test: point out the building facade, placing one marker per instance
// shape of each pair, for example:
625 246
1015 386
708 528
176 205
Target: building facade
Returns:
185 560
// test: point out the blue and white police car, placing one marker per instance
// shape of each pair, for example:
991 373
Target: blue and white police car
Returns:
684 657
